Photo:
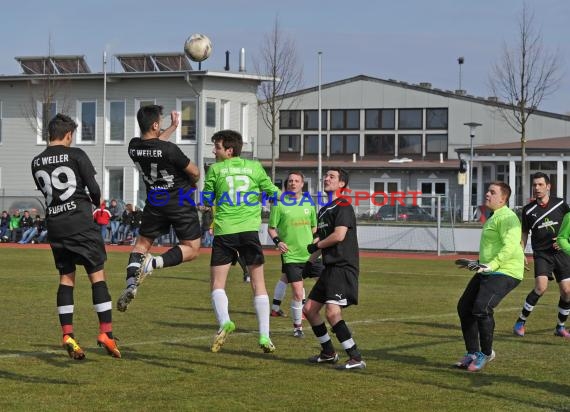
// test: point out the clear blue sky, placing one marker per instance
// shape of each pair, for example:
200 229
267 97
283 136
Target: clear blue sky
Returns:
410 40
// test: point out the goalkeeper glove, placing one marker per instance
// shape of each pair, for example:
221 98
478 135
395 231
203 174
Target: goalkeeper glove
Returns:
312 248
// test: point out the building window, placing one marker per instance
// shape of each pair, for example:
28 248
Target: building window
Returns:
345 144
380 118
243 118
311 120
45 112
289 143
379 145
117 122
410 119
345 119
311 144
116 183
211 114
225 114
289 119
410 144
436 143
187 109
436 118
87 119
1 118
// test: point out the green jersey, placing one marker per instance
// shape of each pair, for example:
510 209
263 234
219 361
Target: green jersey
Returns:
235 187
500 246
294 220
563 237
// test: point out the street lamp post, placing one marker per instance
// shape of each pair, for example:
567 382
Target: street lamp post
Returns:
472 126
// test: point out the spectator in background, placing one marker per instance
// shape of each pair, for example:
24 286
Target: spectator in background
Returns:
116 213
136 223
33 231
14 230
102 217
4 222
126 222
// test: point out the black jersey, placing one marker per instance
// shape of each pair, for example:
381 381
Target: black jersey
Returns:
62 174
345 253
161 163
544 222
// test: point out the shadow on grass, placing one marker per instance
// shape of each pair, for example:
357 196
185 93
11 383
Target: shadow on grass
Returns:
210 310
485 379
33 379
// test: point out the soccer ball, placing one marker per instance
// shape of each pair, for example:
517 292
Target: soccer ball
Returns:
198 47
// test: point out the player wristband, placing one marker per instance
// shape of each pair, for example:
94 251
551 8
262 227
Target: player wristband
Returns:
276 240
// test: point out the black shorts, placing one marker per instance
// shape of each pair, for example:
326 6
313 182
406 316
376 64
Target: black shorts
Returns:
551 262
86 249
247 244
294 271
338 285
156 221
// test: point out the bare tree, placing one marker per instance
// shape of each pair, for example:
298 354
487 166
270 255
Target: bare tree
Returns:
277 59
44 92
523 77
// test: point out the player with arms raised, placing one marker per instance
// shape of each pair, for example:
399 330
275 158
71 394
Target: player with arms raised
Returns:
170 179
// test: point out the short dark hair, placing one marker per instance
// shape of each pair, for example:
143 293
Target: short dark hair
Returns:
147 115
539 175
59 126
342 174
296 172
230 139
505 188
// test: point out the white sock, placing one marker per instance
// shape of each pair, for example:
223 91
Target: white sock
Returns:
279 293
297 312
220 305
261 305
158 262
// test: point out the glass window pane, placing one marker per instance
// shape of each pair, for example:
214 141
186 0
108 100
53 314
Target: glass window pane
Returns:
290 119
188 120
372 119
311 119
337 119
409 144
436 143
353 119
383 144
211 114
117 122
388 119
312 144
410 119
352 144
88 121
337 144
436 118
289 143
116 184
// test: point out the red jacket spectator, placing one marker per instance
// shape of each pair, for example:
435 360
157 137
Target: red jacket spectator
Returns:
102 216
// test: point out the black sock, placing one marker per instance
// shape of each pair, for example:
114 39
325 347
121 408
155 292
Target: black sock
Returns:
172 257
529 304
344 336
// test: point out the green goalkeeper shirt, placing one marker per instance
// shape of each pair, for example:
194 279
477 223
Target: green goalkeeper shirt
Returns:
234 186
294 219
500 246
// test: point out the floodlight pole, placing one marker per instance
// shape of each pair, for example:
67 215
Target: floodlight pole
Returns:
320 157
103 174
472 126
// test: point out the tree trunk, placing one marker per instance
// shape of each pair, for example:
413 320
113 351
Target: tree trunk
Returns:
273 151
524 179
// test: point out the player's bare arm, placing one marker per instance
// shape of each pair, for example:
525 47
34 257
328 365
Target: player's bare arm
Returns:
335 237
192 171
174 120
